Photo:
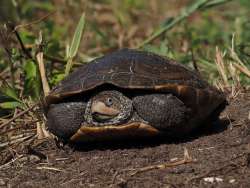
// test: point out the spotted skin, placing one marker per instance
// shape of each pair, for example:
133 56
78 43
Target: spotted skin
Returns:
120 102
163 111
64 119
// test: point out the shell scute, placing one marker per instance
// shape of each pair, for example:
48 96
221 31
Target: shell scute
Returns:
132 69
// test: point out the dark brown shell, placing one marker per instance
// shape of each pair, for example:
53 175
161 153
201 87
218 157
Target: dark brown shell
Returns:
132 69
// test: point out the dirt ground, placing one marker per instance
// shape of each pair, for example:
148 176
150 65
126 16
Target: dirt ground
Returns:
220 157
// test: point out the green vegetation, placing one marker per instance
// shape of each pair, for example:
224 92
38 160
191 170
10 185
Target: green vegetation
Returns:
211 36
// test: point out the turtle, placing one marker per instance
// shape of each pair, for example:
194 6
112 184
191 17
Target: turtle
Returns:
131 93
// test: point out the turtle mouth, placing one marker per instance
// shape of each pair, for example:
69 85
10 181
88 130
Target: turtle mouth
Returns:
102 117
102 113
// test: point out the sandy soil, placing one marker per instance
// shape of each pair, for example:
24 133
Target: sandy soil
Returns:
220 158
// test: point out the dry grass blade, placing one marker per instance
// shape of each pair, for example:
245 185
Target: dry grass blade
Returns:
45 84
10 162
220 66
18 139
4 42
42 133
187 159
239 65
40 61
18 115
242 69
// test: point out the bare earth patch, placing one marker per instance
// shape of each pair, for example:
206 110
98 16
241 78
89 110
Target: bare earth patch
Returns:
220 157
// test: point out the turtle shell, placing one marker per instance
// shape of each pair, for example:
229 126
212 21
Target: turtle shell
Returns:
133 69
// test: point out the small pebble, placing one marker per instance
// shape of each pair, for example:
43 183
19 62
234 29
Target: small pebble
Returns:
174 159
232 181
213 179
2 182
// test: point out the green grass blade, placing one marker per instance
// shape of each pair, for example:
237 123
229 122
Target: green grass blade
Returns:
32 84
75 44
8 91
10 105
199 4
213 3
77 37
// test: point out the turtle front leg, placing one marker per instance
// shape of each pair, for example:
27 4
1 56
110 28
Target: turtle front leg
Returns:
64 119
162 111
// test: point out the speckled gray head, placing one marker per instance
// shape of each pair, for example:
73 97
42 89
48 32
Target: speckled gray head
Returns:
108 108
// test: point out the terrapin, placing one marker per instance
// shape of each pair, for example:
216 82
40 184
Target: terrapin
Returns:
130 93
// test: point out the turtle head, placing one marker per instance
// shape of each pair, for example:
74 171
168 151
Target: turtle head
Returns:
108 107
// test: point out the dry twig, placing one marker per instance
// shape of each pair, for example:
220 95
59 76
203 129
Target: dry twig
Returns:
33 22
49 168
18 115
10 162
187 159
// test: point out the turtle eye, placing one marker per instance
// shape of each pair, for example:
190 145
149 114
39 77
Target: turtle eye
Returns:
109 102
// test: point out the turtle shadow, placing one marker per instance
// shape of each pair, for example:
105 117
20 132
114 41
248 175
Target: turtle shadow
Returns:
208 129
